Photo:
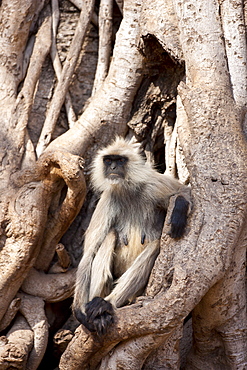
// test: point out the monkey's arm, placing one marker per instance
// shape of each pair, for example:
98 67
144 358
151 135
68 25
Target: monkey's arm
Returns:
164 188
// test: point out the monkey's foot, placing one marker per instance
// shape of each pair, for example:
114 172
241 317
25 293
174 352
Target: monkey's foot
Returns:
81 317
99 314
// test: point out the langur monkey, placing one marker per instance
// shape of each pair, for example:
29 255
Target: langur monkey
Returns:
122 240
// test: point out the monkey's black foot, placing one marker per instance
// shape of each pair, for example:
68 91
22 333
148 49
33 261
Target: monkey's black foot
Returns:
81 317
179 217
99 314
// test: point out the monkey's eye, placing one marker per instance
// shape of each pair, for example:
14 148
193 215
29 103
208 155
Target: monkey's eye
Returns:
116 159
107 161
122 160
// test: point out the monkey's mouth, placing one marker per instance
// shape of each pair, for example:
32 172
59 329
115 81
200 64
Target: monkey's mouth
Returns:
114 176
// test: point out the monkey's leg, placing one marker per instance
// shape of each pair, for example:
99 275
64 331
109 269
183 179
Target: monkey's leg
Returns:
96 275
99 313
136 277
83 278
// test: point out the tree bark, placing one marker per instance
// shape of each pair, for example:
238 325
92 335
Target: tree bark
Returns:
187 54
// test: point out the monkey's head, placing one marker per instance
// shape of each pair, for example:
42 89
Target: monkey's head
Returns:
119 164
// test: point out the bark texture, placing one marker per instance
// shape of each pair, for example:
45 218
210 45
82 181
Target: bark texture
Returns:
172 73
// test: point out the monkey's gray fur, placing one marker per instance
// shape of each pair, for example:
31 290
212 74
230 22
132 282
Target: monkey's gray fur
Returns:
122 240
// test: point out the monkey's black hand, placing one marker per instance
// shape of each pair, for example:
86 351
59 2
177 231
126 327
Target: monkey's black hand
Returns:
179 217
99 314
81 317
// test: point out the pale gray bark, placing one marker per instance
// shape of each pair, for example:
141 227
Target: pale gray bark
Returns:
203 44
105 40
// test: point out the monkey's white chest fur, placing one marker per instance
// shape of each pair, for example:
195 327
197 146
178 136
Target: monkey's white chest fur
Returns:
125 255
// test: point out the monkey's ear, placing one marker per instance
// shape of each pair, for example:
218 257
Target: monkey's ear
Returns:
136 145
132 140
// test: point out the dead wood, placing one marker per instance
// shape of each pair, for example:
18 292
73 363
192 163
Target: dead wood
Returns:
63 257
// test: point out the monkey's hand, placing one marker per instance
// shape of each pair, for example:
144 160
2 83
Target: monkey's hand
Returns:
179 217
99 315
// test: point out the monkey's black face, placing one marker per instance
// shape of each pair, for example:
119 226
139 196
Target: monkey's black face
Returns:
115 166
